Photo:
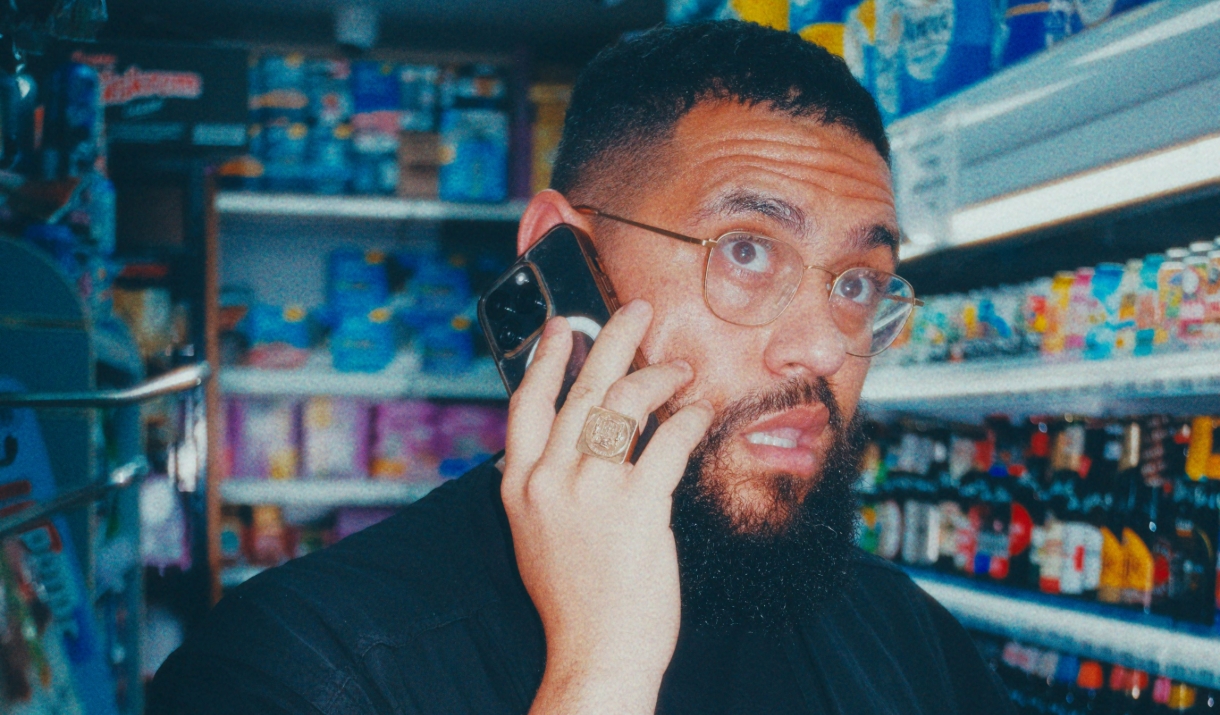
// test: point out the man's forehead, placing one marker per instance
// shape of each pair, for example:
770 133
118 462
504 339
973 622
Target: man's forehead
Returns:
711 122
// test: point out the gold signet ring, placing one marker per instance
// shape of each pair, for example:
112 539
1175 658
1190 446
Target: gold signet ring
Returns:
607 435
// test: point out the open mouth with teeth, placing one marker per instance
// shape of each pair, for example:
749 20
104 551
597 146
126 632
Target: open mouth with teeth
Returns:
787 442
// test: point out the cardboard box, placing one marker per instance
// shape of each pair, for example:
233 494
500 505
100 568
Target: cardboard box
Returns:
419 160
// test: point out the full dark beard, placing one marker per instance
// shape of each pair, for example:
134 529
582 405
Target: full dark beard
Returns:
770 567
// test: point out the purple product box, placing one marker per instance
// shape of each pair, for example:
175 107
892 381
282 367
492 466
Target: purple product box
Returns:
404 441
263 438
471 432
335 438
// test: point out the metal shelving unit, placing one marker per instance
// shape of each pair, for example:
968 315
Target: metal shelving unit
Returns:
401 379
1120 638
1117 386
1117 122
362 207
323 493
1121 115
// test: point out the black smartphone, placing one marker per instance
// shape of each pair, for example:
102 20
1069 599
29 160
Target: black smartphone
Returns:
558 275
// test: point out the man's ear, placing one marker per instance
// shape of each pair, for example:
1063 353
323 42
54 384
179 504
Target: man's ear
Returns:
545 211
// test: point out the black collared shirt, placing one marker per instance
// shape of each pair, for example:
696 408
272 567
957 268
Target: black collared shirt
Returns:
426 613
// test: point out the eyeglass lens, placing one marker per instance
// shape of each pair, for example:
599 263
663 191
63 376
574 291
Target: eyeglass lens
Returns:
750 280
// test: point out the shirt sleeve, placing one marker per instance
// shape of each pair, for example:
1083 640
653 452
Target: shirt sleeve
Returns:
975 684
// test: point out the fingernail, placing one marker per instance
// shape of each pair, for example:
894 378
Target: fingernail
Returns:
553 326
686 367
637 307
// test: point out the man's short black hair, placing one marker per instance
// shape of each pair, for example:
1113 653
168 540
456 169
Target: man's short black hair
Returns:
635 91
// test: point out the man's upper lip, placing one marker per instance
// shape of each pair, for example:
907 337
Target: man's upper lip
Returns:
810 420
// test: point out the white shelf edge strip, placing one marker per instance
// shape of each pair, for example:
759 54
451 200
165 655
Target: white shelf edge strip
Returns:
1181 656
334 492
1180 168
994 377
252 203
481 382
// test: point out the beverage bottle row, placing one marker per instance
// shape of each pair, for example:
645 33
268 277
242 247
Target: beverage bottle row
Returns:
1164 302
1124 512
1047 682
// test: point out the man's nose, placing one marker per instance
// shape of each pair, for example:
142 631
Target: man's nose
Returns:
804 339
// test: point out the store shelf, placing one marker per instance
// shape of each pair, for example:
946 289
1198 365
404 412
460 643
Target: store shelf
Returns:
363 207
1118 116
401 379
1177 652
329 493
1017 386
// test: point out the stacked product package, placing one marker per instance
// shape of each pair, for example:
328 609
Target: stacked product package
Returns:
1164 302
324 439
371 312
909 54
331 126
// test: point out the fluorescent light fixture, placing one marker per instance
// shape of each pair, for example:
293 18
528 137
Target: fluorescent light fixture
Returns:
974 115
1179 168
1188 21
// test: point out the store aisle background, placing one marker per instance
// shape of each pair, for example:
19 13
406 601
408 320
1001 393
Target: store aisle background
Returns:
309 196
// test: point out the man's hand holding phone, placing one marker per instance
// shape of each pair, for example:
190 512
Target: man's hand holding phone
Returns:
592 538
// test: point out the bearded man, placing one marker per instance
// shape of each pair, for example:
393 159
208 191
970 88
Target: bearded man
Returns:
735 183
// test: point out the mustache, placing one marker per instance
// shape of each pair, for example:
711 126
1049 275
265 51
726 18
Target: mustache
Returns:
788 395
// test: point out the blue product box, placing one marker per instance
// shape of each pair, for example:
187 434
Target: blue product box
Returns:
474 155
356 280
329 91
447 346
329 159
946 45
439 290
418 92
282 88
266 324
363 342
681 11
374 87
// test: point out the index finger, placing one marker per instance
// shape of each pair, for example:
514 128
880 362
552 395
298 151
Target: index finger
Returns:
531 409
609 359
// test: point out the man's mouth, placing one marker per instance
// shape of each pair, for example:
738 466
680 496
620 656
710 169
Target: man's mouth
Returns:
786 441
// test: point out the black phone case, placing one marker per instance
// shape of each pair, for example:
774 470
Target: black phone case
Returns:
573 285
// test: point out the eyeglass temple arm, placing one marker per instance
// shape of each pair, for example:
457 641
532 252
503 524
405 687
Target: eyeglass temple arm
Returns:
590 211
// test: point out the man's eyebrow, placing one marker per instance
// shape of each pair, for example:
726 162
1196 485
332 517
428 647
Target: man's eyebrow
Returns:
875 236
745 201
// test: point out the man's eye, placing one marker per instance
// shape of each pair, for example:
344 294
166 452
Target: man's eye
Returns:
748 253
858 286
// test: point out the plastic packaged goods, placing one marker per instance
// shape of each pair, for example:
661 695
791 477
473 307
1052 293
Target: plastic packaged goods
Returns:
363 342
1098 510
770 13
405 443
821 22
468 435
73 143
418 95
1159 303
859 42
888 59
262 438
946 46
550 104
335 438
328 92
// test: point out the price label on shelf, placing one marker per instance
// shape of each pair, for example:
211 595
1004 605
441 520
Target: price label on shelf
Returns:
925 160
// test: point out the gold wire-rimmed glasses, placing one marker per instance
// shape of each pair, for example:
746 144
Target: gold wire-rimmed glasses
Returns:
750 279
